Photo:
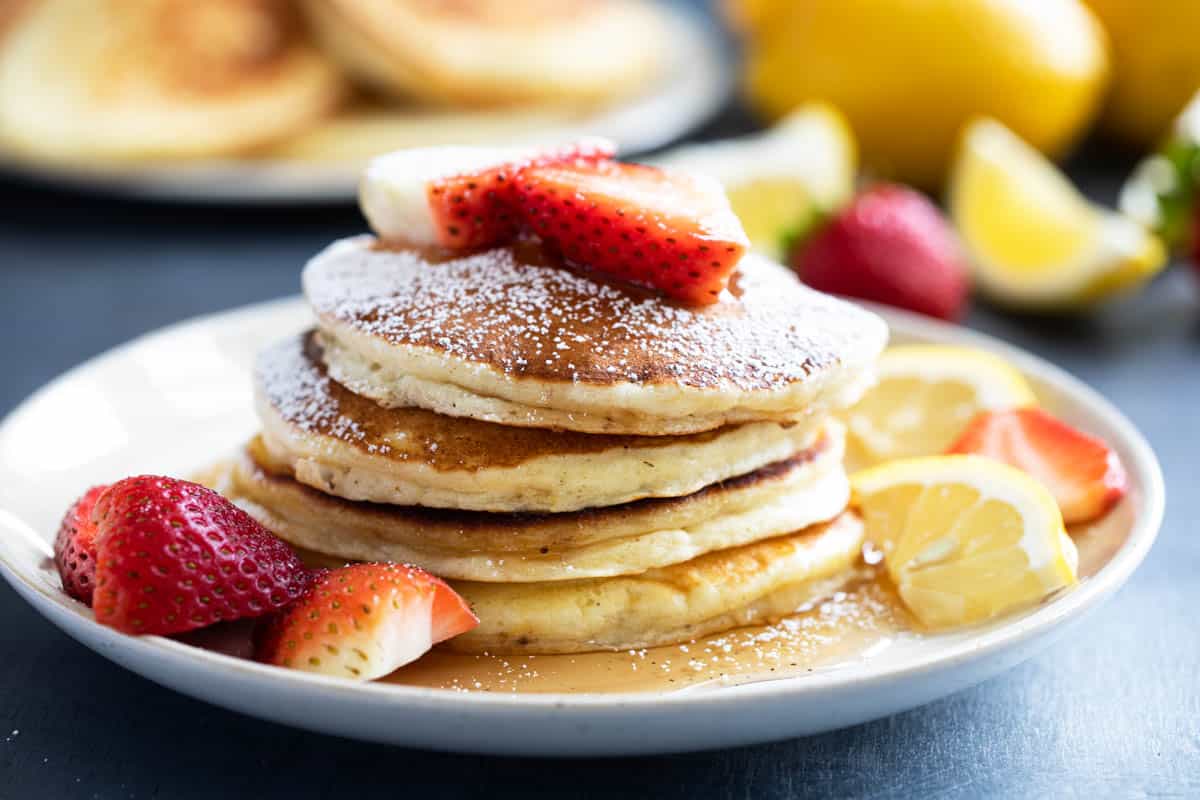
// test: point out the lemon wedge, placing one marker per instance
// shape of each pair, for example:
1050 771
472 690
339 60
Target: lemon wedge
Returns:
924 398
964 538
780 181
1034 241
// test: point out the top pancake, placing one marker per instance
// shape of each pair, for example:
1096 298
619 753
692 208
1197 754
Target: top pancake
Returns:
509 335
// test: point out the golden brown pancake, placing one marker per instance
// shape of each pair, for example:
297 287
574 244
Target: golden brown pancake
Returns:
349 446
748 585
84 80
510 336
478 546
495 52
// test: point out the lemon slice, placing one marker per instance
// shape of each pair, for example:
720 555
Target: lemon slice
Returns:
964 538
924 398
1034 240
780 181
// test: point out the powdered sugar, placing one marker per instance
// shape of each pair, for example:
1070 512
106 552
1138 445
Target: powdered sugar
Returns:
304 396
513 310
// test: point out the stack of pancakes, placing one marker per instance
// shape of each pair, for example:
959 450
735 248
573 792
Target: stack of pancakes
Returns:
590 466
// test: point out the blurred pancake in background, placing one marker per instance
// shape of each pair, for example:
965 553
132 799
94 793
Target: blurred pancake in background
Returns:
495 52
120 80
251 101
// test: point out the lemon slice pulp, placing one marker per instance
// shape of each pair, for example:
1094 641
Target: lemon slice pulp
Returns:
1033 239
964 538
925 396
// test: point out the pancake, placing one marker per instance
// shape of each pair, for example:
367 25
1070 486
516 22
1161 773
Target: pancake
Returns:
747 585
349 446
507 336
617 540
149 79
494 52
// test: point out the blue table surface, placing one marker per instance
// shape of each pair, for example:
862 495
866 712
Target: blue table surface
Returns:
1113 710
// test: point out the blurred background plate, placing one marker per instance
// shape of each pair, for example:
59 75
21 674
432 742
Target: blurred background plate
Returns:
696 82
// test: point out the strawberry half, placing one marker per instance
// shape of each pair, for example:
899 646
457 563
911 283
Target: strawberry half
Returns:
75 547
364 621
477 209
892 246
1081 471
173 556
670 231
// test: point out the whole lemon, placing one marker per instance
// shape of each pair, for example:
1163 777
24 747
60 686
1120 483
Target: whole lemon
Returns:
909 73
1156 64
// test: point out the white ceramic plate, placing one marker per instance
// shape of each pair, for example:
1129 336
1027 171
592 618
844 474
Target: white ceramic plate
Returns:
174 400
696 84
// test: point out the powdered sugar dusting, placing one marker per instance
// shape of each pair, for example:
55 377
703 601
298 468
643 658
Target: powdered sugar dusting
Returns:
514 311
304 396
292 381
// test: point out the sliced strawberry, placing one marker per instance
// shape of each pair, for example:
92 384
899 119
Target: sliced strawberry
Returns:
75 547
1081 471
173 556
665 230
364 621
476 208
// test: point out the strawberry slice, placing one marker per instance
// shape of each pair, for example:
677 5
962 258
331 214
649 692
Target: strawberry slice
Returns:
364 621
75 547
476 209
173 556
670 231
1081 471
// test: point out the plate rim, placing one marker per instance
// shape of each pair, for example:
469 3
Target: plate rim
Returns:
1027 628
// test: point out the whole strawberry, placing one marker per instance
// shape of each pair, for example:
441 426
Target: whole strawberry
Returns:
75 547
890 245
173 556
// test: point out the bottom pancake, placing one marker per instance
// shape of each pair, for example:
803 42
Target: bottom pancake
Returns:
516 548
747 585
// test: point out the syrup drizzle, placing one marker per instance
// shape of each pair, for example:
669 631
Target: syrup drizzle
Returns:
853 625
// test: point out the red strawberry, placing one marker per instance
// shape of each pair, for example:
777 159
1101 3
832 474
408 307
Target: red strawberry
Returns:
890 245
364 621
476 209
1083 474
669 231
75 547
173 556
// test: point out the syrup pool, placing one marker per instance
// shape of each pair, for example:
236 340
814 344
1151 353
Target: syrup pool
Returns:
857 623
861 621
851 624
